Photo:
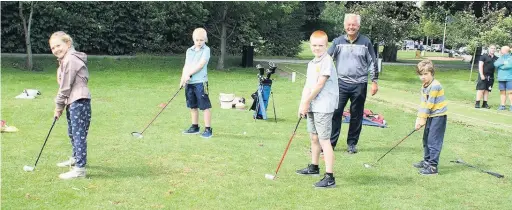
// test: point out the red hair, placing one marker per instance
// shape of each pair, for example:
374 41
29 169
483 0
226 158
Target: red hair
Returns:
319 34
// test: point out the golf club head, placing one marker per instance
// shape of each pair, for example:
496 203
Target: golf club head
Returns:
367 165
28 168
137 135
270 177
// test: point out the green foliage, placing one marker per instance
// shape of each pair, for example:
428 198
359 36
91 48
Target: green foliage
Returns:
334 15
387 22
500 34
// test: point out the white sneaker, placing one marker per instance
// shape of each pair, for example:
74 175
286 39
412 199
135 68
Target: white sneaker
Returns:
67 163
74 173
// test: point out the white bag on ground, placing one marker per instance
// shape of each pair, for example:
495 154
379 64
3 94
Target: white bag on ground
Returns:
29 94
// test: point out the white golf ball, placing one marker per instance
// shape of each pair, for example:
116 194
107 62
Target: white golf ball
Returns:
245 133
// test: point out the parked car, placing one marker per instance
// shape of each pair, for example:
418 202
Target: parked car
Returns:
437 47
408 45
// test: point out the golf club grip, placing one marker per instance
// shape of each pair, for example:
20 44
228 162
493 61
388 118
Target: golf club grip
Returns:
494 174
287 146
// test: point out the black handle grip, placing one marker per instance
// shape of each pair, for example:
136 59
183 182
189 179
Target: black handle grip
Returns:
495 174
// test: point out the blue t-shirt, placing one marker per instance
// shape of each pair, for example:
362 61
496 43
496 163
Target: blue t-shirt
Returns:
193 57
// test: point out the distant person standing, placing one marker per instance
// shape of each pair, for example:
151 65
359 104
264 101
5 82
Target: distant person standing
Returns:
355 59
504 66
417 48
486 80
422 49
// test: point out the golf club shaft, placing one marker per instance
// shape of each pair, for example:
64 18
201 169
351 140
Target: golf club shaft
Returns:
162 110
482 170
397 144
40 152
274 106
287 146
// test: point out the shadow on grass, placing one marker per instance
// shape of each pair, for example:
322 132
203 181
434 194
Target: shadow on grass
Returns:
375 179
116 172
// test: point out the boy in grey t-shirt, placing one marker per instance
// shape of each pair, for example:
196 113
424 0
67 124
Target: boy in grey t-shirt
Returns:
318 102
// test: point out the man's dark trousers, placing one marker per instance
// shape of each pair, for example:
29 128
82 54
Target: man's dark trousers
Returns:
356 93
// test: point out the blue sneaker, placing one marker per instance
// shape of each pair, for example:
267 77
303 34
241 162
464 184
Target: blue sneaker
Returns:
510 108
191 130
501 107
208 133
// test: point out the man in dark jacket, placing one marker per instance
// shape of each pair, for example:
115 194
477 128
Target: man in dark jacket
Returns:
355 58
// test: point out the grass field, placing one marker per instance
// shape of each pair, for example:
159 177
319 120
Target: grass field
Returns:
169 170
402 55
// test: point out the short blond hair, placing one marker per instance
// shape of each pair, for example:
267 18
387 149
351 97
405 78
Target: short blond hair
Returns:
66 38
425 66
319 34
200 32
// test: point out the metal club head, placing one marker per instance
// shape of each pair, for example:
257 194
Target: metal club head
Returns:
137 135
367 165
270 177
28 168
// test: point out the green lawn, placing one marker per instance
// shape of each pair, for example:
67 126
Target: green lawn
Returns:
402 56
169 170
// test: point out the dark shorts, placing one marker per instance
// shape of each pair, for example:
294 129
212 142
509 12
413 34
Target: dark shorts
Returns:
197 96
485 84
505 85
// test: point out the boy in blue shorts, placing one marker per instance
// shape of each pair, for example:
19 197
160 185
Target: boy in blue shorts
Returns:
504 68
432 115
319 100
195 80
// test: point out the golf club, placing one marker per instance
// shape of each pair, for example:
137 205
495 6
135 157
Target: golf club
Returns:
273 177
482 170
30 168
139 135
367 165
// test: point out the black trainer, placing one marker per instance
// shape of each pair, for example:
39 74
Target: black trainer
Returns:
486 106
352 149
421 164
429 170
192 130
326 182
311 170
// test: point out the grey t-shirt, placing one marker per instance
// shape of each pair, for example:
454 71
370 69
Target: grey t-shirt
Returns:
327 100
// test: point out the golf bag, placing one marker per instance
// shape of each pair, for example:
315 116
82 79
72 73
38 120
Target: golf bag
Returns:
261 98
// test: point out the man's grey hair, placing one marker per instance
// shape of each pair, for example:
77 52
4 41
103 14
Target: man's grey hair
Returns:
350 16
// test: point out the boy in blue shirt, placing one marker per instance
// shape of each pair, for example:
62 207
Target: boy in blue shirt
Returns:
195 80
504 68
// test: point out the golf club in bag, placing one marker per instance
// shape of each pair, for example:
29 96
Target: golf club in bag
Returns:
139 135
272 177
367 165
261 96
459 161
30 168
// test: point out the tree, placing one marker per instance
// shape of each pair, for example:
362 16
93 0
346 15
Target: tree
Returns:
388 23
224 18
334 15
500 34
27 24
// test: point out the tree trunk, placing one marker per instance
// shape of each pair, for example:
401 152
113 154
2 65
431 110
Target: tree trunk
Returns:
389 53
26 28
223 37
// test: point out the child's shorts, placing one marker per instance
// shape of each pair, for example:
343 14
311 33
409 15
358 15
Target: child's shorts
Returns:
197 96
321 124
505 85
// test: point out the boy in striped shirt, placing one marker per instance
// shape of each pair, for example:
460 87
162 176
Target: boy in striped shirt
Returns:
432 115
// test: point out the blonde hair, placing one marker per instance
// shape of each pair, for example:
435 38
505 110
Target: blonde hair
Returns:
319 34
350 16
425 66
200 32
63 36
